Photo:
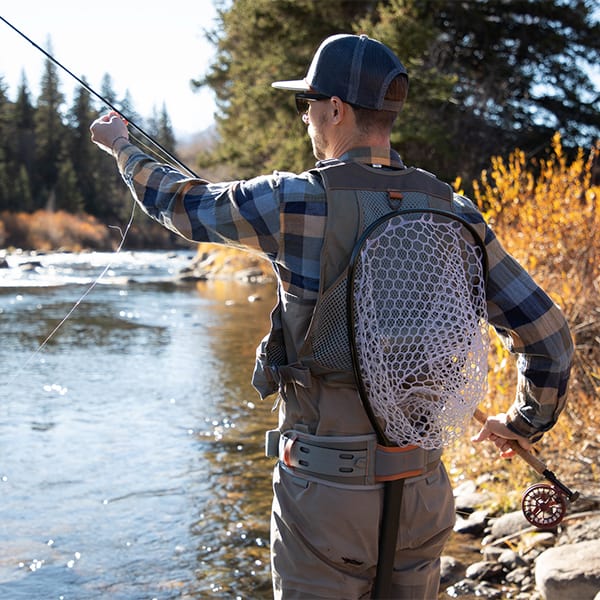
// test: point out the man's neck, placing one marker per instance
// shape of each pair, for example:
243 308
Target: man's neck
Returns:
344 145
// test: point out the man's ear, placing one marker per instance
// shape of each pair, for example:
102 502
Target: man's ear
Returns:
338 109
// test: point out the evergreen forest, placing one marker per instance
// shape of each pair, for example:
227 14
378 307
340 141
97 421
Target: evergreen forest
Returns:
486 77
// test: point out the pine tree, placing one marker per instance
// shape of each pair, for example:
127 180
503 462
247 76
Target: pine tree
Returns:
22 197
24 118
486 76
83 155
5 144
68 195
519 72
16 149
160 128
50 135
107 90
5 196
127 108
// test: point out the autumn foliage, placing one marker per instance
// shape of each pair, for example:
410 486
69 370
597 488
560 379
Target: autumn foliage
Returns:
47 230
545 213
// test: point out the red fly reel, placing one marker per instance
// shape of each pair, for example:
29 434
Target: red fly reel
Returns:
544 506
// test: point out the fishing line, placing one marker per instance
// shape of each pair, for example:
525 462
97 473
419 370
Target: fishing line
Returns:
102 98
123 234
79 301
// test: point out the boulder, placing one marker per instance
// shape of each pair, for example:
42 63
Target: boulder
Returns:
569 571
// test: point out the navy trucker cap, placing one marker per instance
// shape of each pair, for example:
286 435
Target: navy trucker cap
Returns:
355 68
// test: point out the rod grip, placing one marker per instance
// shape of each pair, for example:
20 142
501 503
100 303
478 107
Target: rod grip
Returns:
529 458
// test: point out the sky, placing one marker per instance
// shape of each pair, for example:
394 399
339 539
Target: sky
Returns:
150 49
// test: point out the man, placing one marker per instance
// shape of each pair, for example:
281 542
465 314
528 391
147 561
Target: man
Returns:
325 524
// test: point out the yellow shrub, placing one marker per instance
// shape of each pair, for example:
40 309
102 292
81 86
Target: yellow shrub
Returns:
545 214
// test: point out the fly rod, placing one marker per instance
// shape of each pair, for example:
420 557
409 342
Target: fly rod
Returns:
101 98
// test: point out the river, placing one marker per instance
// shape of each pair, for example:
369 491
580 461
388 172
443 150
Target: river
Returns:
131 442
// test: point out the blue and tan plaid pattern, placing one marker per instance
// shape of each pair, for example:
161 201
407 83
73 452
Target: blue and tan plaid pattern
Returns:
282 216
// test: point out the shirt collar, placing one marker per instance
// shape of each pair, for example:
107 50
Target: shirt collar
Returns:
376 156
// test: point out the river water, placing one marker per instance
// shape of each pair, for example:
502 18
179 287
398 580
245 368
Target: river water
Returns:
131 442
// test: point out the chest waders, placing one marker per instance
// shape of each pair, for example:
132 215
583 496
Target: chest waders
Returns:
320 342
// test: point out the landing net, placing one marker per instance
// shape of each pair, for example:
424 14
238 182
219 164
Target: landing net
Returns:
420 332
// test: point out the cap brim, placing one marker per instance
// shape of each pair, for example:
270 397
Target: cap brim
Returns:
295 85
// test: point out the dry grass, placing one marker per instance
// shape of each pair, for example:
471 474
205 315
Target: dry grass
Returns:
45 231
49 231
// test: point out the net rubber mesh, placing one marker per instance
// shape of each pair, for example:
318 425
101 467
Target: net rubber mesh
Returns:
420 328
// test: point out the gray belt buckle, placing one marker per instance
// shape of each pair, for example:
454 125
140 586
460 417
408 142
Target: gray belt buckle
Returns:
272 443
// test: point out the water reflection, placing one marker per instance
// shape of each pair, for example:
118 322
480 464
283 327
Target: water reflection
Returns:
132 444
236 516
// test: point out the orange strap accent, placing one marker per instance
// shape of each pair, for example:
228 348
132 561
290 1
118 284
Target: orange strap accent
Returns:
394 195
287 451
404 474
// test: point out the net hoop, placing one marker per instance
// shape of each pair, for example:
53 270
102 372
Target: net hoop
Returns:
399 404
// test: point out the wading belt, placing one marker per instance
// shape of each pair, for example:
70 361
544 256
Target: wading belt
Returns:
351 460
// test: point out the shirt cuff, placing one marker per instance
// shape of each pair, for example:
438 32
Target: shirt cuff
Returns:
124 153
517 424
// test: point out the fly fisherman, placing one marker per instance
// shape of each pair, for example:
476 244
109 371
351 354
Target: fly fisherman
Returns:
325 522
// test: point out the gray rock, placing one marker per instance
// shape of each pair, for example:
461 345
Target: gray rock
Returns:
569 571
538 541
508 524
474 524
472 589
467 499
466 487
510 560
581 531
461 588
485 571
520 576
491 552
450 569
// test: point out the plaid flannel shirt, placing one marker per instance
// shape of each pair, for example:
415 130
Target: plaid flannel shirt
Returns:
282 217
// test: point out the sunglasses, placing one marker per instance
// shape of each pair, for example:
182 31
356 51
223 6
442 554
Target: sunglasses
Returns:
303 100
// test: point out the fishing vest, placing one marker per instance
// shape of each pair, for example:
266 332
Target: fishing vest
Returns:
309 340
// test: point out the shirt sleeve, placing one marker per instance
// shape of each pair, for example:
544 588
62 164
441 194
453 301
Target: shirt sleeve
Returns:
238 213
532 327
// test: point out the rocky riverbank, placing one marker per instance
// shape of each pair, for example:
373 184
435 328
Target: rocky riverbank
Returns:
518 561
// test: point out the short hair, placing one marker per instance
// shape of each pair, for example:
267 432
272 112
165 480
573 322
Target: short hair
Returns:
368 120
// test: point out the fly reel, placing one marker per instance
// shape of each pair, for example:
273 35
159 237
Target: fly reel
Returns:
543 505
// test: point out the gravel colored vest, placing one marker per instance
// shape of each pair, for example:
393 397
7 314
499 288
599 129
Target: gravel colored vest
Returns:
309 340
